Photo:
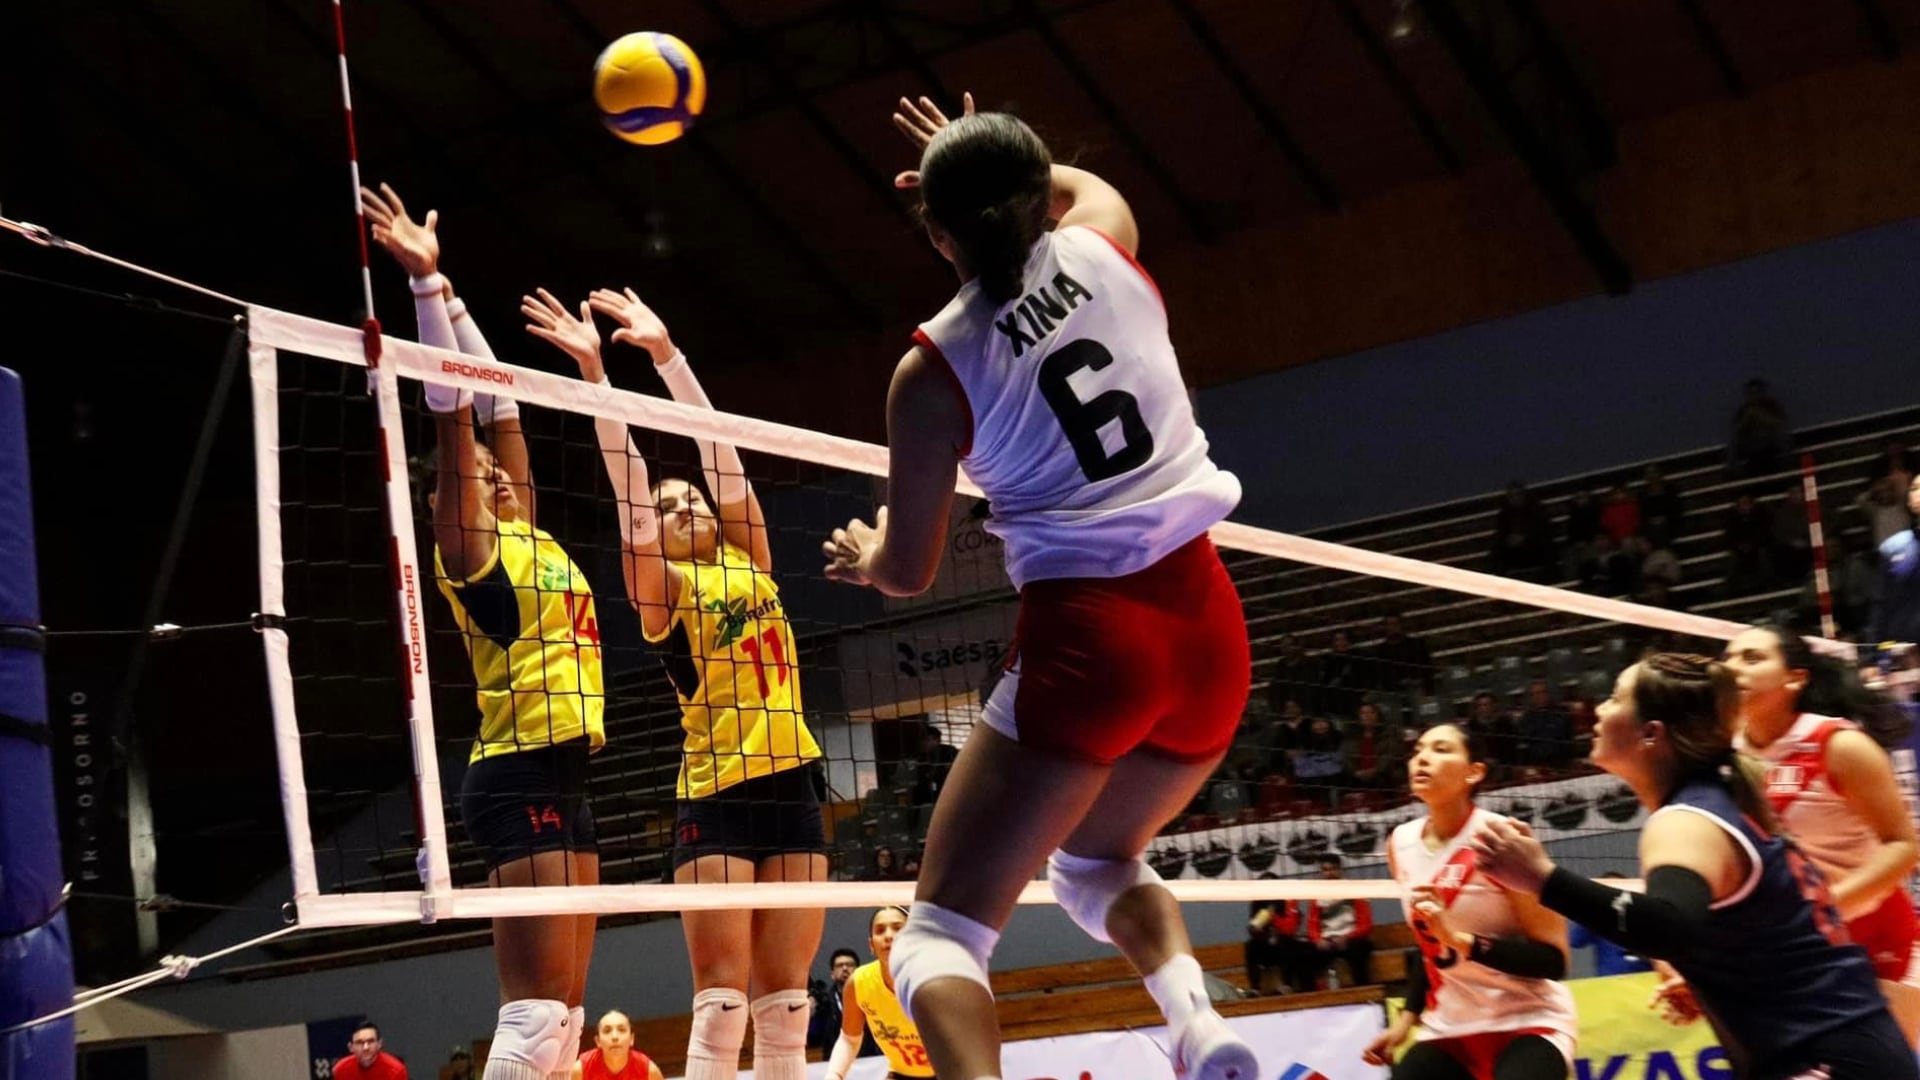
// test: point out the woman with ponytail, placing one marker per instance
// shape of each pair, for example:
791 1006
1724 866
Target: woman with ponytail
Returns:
1050 378
1821 734
1730 903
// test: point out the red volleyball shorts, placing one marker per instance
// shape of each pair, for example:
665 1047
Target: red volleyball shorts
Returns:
1888 933
1156 661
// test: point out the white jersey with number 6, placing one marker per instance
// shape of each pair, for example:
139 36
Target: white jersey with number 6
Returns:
1083 435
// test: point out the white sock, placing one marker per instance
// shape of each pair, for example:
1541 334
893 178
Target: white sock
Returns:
1179 987
502 1069
780 1035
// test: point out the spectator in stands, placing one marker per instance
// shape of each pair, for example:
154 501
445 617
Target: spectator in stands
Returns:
1608 958
886 866
1893 459
1296 677
1543 742
1884 505
1402 661
1655 592
1762 438
1659 562
1852 581
1343 676
1277 941
1522 539
1660 503
1896 616
1580 721
1620 515
1792 540
459 1065
823 1028
1339 929
1371 751
1749 543
1583 529
1318 763
367 1058
1286 738
936 761
1493 729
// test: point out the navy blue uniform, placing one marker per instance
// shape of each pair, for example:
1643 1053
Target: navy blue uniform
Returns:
1774 970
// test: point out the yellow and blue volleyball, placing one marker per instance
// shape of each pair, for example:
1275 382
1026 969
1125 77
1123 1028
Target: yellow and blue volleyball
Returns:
649 87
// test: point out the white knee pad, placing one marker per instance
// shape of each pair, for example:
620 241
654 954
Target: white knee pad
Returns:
576 1028
780 1035
1086 888
780 1021
532 1032
719 1024
940 944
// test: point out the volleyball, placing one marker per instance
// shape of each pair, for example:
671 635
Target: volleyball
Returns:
649 87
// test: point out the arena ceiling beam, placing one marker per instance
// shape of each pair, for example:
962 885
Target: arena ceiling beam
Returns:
1136 144
1549 169
1403 90
1714 46
880 15
1269 118
784 84
1879 30
1569 91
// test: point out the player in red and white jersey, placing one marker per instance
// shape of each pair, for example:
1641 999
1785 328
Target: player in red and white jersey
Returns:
1487 994
1051 380
1832 784
614 1057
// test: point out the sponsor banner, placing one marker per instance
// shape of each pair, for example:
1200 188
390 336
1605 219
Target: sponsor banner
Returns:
1557 810
1622 1039
925 665
1306 1044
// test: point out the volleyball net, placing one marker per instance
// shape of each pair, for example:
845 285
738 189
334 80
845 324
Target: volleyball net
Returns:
374 695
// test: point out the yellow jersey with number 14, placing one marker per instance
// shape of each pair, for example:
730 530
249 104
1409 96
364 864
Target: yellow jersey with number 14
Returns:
528 621
729 652
898 1038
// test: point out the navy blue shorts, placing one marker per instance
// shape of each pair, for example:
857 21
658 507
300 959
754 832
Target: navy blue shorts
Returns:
754 819
517 805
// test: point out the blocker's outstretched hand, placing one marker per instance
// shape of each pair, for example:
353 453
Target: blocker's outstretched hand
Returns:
549 320
414 245
919 123
639 325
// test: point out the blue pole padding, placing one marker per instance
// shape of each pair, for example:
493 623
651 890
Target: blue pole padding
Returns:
36 957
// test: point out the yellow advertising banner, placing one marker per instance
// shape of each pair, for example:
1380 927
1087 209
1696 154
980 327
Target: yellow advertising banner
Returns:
1622 1039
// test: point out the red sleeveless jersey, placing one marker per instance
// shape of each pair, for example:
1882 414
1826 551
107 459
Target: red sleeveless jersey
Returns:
593 1068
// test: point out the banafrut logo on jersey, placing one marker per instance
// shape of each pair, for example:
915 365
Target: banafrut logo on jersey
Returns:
734 615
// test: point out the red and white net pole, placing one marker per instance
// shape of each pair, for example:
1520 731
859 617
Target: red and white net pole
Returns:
409 582
353 165
1815 536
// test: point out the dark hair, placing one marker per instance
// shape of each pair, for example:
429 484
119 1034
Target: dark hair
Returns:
987 179
1329 858
1696 699
1835 689
901 908
1471 743
838 953
365 1025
